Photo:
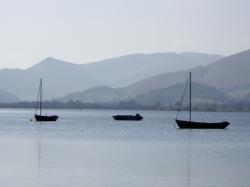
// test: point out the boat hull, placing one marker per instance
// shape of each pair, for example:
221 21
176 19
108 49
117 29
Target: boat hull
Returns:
128 117
201 125
45 118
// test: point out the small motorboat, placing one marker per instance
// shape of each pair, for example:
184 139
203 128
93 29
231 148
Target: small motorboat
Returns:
136 117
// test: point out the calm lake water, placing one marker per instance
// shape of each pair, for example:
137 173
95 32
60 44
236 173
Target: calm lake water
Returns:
88 148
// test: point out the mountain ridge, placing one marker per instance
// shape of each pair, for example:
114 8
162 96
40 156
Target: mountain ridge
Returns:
6 97
210 75
203 75
62 77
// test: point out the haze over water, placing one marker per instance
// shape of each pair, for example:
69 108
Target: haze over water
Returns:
89 148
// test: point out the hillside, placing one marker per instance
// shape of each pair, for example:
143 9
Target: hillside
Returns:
167 95
61 77
125 70
172 94
240 91
228 77
224 74
6 97
100 94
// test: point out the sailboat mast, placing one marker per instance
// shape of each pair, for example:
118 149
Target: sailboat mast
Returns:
190 96
41 94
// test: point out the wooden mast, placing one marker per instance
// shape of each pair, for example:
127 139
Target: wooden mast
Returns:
41 93
190 97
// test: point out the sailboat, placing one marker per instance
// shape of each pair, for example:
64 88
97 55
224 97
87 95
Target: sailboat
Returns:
40 117
196 124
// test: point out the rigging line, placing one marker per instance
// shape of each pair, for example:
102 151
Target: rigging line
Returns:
182 97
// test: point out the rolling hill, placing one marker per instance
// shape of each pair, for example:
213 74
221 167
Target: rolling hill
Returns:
224 74
101 94
6 97
172 94
166 95
215 82
61 77
240 91
125 70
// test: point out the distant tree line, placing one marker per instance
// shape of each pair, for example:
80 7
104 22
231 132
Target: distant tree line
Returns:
232 105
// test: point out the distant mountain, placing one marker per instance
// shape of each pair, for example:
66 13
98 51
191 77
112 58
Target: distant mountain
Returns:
6 97
240 91
246 98
167 95
172 94
100 94
224 74
61 78
215 82
125 70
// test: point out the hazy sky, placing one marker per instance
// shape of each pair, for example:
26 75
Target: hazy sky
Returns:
83 31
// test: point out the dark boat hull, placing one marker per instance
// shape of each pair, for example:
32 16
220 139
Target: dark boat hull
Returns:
201 125
45 118
128 117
